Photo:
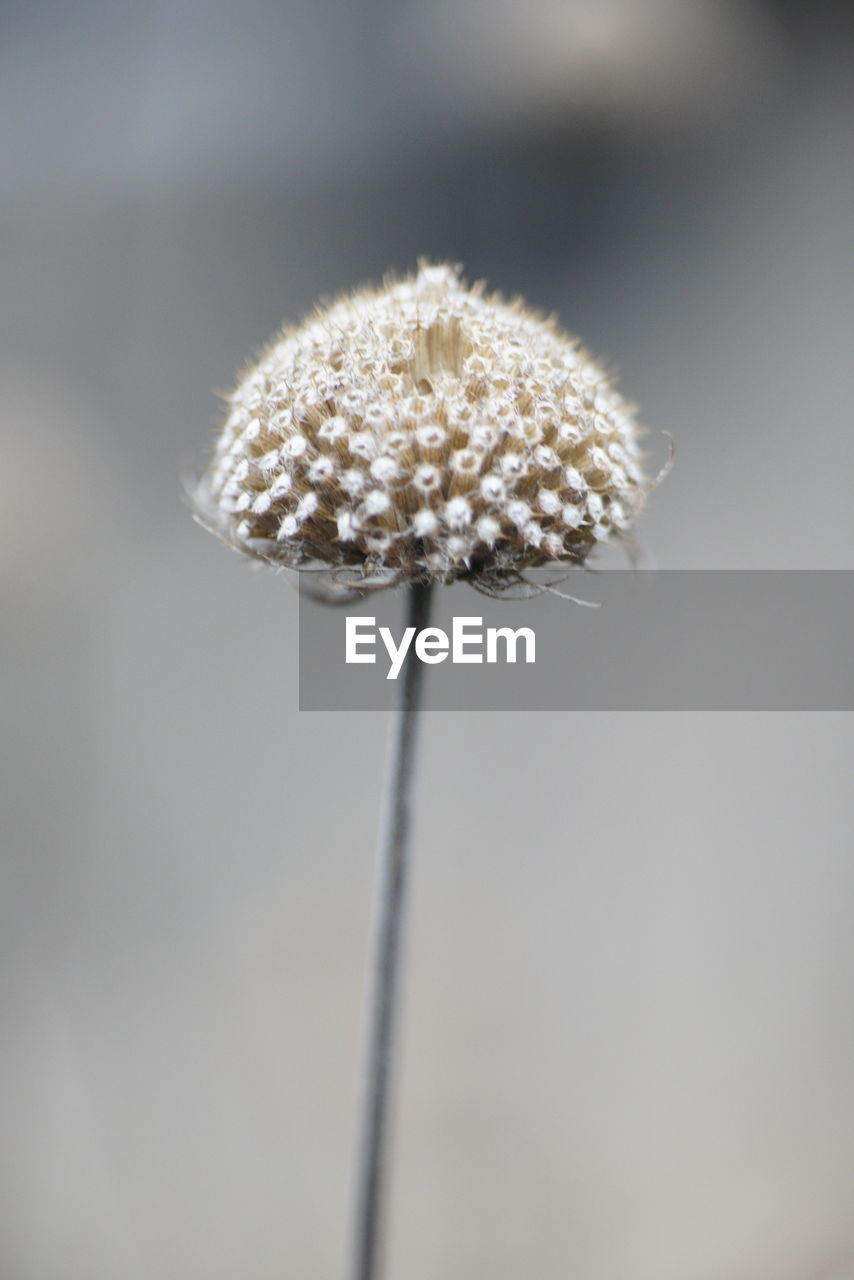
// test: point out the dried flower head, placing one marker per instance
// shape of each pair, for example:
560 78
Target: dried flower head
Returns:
425 431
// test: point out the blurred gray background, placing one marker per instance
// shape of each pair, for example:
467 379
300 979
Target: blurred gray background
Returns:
629 1038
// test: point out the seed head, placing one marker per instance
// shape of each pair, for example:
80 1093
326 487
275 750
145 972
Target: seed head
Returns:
425 431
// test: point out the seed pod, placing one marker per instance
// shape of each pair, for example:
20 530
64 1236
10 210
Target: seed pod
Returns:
424 431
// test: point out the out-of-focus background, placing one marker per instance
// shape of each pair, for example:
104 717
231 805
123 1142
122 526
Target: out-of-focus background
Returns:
629 1043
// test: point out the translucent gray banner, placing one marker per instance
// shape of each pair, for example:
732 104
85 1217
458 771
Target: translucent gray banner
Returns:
670 640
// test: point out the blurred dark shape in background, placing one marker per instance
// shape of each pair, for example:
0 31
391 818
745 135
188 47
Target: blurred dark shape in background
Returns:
629 1048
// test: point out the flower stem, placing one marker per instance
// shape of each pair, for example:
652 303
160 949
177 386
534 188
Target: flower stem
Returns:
389 905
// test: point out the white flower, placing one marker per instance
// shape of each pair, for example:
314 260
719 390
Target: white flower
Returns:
451 415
